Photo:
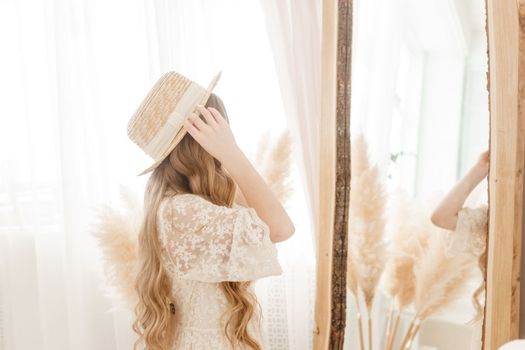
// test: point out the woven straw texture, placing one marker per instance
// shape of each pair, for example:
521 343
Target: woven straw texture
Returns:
154 110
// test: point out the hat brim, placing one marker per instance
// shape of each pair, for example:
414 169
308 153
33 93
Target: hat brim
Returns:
182 131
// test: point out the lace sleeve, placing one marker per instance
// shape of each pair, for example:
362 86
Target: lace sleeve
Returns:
213 243
470 233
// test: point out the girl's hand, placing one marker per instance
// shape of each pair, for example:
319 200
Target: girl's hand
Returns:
483 162
213 134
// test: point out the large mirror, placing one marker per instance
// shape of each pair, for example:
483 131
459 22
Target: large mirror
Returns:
418 199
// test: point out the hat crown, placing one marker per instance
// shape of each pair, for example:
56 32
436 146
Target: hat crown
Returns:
157 124
156 108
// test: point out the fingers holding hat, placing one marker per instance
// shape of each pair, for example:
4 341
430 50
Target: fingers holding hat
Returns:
210 119
196 126
217 115
197 121
191 128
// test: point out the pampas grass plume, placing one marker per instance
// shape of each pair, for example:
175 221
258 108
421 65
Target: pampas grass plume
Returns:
274 162
408 227
116 233
366 221
366 231
440 279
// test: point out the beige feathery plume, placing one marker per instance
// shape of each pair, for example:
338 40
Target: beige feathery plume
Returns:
366 227
408 227
275 164
366 230
116 233
439 278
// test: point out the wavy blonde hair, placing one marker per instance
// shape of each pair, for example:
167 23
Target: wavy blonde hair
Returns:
188 169
479 293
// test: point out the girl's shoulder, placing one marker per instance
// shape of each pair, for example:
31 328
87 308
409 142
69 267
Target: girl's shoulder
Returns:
190 204
182 198
196 200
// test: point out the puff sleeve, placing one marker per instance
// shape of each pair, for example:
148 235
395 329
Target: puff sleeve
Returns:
471 231
213 243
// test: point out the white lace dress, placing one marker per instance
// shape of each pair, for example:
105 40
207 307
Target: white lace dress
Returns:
204 244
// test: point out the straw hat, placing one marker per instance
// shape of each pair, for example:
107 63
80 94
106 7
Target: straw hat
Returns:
157 125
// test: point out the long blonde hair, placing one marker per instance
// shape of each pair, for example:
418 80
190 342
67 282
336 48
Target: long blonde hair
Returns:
188 169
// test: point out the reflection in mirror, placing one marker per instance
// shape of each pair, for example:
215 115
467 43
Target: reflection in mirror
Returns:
418 202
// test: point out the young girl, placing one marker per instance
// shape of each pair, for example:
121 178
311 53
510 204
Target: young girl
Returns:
469 225
209 230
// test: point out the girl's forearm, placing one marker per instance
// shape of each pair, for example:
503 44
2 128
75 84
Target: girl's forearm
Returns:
259 196
446 213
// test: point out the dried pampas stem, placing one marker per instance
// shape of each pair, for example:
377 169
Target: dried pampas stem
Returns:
361 337
392 339
415 329
389 330
409 336
369 331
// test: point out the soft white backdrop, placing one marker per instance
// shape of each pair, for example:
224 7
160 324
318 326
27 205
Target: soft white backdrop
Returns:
72 72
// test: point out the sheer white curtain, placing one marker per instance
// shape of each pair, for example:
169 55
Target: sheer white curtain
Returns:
72 74
294 30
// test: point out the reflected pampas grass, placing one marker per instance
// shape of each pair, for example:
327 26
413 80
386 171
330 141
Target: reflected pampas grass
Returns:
414 267
409 231
440 279
351 283
419 271
366 228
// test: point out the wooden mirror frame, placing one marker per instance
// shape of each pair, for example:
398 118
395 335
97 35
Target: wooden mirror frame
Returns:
334 175
506 49
506 77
